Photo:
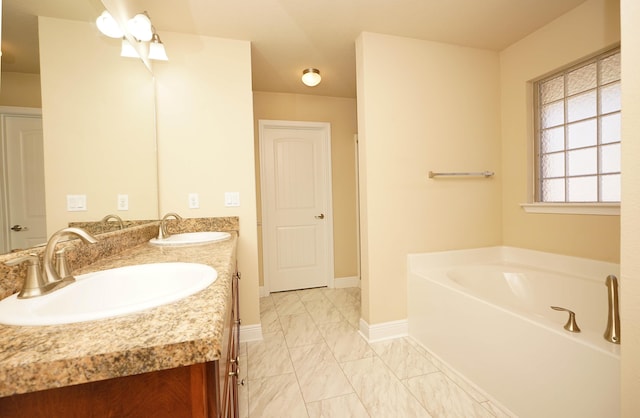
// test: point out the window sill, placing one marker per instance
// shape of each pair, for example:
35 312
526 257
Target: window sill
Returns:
606 209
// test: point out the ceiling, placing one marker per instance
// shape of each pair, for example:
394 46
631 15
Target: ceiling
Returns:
290 35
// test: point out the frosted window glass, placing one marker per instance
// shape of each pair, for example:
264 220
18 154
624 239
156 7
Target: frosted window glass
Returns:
610 98
552 90
582 189
583 161
610 188
610 158
553 190
582 79
578 125
582 134
552 140
610 69
610 128
552 114
553 165
582 106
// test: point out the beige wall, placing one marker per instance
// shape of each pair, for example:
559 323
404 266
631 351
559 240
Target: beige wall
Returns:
423 106
584 31
20 89
98 119
630 280
341 113
205 141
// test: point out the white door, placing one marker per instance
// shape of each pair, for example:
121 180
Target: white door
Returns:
297 222
25 181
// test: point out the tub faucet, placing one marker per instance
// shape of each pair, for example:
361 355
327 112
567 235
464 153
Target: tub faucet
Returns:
162 229
612 333
116 217
571 325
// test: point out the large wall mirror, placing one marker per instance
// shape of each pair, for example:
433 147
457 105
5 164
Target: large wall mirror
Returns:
98 115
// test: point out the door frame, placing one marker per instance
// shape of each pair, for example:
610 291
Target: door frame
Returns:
4 201
327 180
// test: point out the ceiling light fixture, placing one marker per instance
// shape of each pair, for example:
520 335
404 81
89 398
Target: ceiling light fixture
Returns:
311 77
108 25
156 49
140 27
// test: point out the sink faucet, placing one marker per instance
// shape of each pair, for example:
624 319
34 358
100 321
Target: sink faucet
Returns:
50 274
116 217
162 230
41 280
612 333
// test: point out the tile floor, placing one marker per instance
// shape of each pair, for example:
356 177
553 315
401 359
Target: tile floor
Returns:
312 362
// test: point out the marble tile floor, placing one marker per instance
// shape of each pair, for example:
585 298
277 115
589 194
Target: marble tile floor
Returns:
312 362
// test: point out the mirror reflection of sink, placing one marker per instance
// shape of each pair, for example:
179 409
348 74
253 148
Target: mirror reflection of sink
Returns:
191 238
109 293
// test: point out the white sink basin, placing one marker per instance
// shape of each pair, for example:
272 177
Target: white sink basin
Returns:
191 238
109 293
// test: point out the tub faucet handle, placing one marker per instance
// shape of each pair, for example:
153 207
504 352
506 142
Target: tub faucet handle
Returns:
571 325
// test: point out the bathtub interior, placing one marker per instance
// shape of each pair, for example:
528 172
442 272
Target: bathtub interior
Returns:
535 290
502 338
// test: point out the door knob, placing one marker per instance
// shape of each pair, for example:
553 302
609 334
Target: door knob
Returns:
19 228
321 216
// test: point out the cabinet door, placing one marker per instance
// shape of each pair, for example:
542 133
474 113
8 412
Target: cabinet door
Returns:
230 390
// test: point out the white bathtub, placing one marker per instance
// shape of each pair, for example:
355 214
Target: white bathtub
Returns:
485 312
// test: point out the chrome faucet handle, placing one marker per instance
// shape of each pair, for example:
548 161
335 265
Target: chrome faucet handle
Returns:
34 284
571 325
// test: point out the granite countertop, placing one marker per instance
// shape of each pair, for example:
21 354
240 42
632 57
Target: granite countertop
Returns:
185 332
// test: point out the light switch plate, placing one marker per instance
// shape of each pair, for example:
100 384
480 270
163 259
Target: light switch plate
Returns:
232 198
76 202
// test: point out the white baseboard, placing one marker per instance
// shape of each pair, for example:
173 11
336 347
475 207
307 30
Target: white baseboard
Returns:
263 292
250 333
384 331
342 282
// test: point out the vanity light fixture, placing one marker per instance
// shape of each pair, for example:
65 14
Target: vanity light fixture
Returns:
156 49
140 27
127 50
108 25
311 77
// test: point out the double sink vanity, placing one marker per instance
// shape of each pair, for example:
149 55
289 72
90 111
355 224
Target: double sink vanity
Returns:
135 341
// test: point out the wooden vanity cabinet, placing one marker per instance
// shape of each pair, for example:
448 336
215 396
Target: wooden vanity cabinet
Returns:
205 390
230 378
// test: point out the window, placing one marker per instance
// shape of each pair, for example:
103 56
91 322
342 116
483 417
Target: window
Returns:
578 132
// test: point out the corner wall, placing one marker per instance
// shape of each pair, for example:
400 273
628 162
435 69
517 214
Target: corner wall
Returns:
423 106
205 141
630 268
589 28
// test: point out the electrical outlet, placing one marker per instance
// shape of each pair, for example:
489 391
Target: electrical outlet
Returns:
123 202
194 201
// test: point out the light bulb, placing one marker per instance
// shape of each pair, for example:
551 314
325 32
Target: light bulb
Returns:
311 77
